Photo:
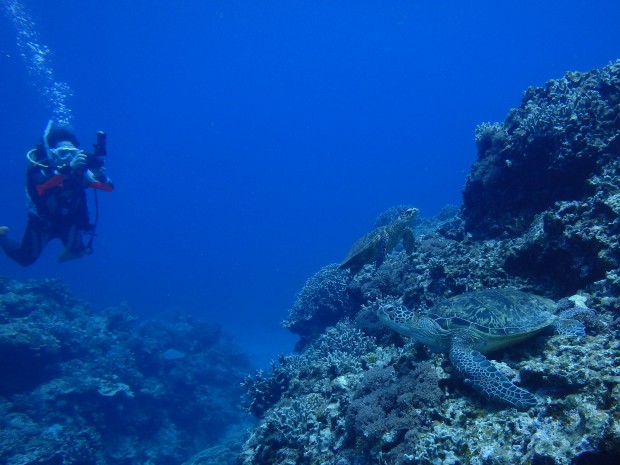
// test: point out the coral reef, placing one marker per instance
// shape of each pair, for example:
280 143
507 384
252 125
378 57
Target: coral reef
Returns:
324 299
541 213
561 144
79 387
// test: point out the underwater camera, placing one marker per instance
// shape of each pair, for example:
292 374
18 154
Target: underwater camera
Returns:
95 159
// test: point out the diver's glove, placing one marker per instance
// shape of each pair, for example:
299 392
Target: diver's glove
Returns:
79 161
99 175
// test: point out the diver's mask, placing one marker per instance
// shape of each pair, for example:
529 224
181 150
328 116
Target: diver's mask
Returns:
63 155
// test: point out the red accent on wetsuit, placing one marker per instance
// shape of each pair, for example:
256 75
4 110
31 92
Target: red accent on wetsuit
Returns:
49 184
58 180
101 185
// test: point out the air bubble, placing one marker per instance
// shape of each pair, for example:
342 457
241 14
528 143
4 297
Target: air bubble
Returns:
38 60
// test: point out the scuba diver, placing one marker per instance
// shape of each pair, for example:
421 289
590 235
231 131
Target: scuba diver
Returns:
57 177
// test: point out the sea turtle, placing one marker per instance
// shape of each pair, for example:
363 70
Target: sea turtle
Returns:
473 323
375 245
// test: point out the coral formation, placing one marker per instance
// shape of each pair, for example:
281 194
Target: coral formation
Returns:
541 213
100 388
324 299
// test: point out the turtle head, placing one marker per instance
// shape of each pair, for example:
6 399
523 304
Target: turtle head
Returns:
395 315
408 215
406 322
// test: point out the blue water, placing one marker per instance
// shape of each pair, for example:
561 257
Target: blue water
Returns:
251 142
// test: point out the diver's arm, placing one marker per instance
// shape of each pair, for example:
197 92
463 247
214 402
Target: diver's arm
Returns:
98 179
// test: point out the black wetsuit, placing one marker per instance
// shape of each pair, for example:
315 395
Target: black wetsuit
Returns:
57 209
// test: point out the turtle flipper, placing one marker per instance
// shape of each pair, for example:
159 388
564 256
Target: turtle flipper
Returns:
568 325
408 240
381 245
485 378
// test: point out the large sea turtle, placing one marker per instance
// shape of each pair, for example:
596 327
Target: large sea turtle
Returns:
473 323
375 245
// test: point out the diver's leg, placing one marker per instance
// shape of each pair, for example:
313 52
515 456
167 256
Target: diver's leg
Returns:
71 237
32 244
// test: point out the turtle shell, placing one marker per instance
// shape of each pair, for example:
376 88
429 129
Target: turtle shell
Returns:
365 249
495 313
373 246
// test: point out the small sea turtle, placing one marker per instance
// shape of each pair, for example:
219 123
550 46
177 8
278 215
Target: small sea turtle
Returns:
470 324
375 245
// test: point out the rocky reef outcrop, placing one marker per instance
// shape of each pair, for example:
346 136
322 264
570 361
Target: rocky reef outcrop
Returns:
78 387
548 175
541 213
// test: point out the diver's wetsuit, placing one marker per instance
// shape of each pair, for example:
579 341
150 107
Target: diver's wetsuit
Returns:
57 208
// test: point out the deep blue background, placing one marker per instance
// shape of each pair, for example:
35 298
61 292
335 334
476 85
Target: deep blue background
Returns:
251 142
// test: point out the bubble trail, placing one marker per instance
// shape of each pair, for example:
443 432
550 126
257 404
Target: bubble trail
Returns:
38 60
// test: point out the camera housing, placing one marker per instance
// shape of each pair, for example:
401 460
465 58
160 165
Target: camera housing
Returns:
95 160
